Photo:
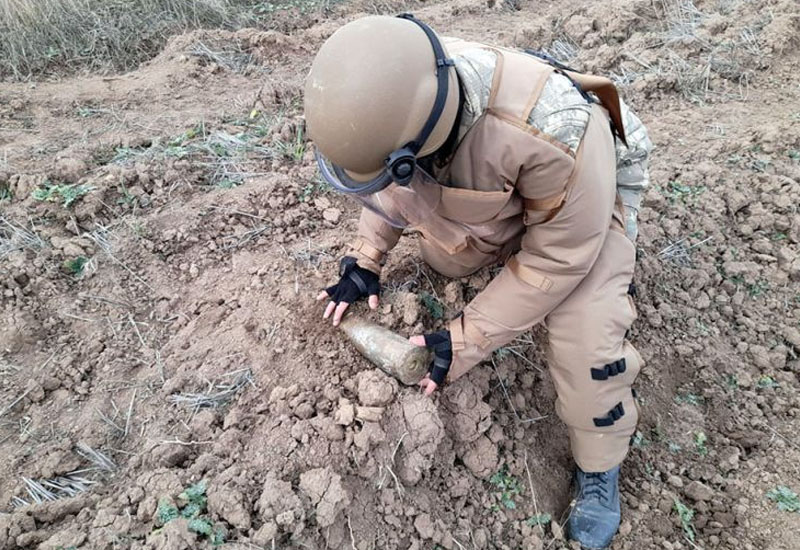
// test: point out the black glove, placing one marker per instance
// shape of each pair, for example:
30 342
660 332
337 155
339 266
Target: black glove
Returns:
442 347
355 282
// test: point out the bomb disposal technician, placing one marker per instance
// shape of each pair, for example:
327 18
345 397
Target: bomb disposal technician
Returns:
496 156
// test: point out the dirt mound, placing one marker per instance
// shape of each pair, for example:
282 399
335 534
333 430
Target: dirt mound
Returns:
166 382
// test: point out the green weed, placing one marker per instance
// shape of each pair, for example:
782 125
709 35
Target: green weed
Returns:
192 507
509 487
293 150
674 447
639 440
76 265
689 399
5 193
786 499
765 381
678 191
700 440
686 516
57 192
539 519
758 288
432 304
166 512
311 190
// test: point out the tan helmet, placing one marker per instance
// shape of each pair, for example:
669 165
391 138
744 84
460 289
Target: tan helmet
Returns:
371 90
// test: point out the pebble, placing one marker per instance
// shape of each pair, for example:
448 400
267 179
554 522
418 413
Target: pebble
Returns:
332 215
698 491
675 481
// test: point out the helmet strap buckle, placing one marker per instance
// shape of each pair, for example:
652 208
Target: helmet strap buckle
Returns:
401 165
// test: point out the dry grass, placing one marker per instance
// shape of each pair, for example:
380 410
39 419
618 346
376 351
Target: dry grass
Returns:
703 65
40 35
14 237
217 394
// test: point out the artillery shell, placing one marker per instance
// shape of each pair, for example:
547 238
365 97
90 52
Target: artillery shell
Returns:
388 351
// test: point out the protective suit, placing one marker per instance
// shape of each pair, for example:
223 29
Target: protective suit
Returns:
537 181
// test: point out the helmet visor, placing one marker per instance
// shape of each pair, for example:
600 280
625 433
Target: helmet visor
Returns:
401 206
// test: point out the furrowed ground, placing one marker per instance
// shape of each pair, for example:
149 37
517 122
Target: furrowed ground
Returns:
166 380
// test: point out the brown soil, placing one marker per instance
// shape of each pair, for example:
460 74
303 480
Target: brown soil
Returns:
190 286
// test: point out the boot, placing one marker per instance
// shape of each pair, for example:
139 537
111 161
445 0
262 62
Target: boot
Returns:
595 519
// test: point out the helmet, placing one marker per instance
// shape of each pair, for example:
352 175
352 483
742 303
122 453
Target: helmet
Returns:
381 92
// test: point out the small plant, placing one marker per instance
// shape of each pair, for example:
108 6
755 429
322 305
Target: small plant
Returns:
76 265
192 507
690 399
312 189
539 519
700 440
67 193
686 516
5 193
166 511
639 440
674 447
508 485
757 288
502 353
678 191
432 304
787 500
295 149
766 381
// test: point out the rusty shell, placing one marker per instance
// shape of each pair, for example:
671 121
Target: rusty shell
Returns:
387 350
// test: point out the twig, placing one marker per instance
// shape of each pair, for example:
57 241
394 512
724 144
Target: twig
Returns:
110 422
97 458
533 492
223 394
505 391
104 299
525 359
71 316
396 447
776 432
352 538
239 212
136 328
130 411
17 400
534 419
177 441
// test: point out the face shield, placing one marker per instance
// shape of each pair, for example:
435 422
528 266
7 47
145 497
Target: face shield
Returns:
402 205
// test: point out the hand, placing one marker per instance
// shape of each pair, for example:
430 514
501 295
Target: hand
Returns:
355 283
442 347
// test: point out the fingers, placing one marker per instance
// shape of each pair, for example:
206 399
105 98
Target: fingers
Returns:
427 385
373 301
322 295
431 387
417 340
329 310
340 309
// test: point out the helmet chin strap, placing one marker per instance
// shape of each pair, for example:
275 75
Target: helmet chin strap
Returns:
401 163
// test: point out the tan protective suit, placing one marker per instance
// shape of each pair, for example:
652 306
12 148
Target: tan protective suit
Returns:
533 183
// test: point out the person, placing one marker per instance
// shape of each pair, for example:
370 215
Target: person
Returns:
494 155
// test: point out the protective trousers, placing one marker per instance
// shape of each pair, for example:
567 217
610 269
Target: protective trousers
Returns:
592 364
